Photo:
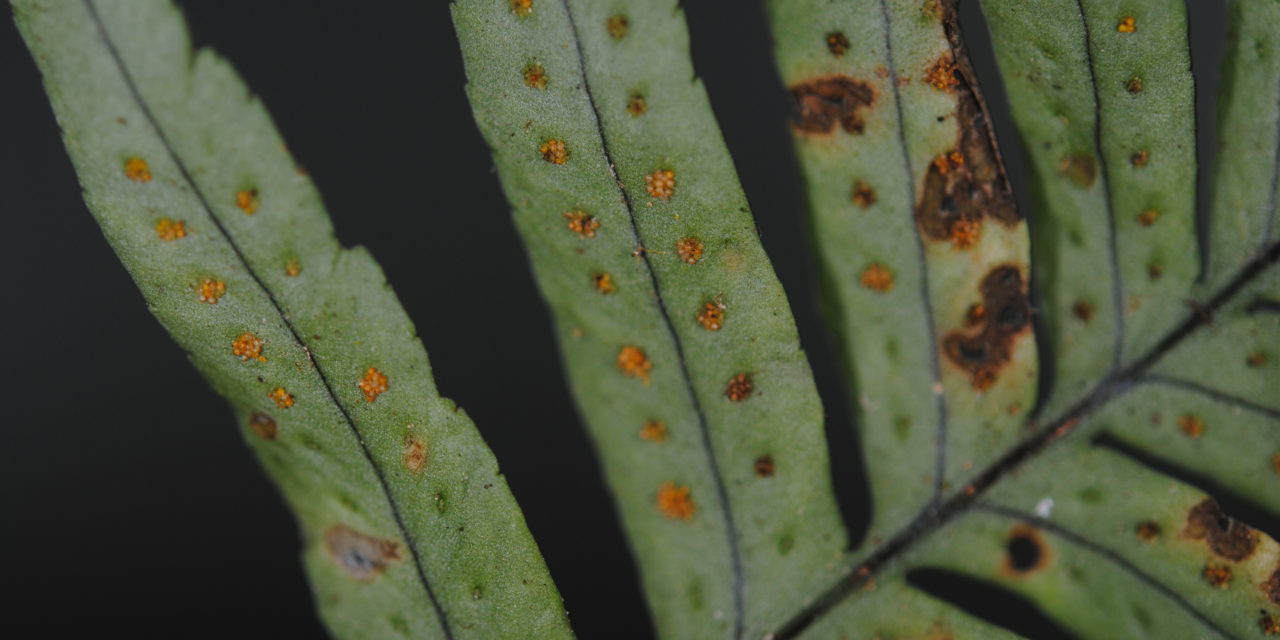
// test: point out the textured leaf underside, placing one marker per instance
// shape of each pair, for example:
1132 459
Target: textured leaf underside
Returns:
1165 380
409 529
698 344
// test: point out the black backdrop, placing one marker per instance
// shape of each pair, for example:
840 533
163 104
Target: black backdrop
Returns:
129 501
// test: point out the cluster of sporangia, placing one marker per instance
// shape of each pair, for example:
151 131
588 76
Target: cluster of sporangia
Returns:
247 346
673 501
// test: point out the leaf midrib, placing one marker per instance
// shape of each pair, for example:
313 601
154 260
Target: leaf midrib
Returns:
383 485
704 431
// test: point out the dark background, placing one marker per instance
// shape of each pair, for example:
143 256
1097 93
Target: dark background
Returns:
129 501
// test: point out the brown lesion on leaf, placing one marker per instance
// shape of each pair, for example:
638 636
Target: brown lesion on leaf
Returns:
1080 168
654 431
1191 424
1082 310
1217 574
360 556
877 277
1268 623
820 105
983 350
1271 586
1025 552
1140 158
292 268
1147 531
617 25
1226 537
636 105
263 425
603 283
837 43
967 183
764 466
740 387
415 454
1134 85
863 195
1148 217
689 249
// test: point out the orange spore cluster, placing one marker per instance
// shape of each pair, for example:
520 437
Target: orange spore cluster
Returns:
136 169
582 223
1127 25
675 502
941 74
170 230
948 162
661 183
1192 425
711 316
740 388
248 347
604 283
211 290
877 277
373 384
281 398
689 249
247 201
554 151
633 363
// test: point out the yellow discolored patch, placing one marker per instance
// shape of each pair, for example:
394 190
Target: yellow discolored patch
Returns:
604 283
941 75
654 431
740 388
689 249
661 183
292 268
636 105
863 195
617 26
633 363
373 384
522 8
1080 168
535 76
136 169
247 201
248 347
554 151
281 398
837 43
675 503
1148 217
1127 25
877 277
211 290
170 230
582 223
1134 85
415 454
263 425
1192 425
1140 158
1147 531
1217 575
711 315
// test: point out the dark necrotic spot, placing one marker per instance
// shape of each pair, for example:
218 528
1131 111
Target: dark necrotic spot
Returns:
263 425
1271 586
1227 538
985 345
361 557
822 104
1023 552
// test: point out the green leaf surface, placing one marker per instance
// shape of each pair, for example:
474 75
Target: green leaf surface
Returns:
730 512
408 527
